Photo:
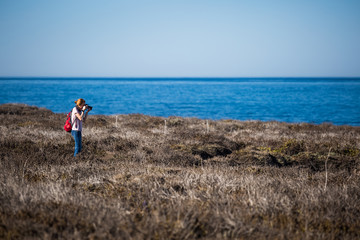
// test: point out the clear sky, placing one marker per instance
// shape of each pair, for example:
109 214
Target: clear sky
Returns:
180 38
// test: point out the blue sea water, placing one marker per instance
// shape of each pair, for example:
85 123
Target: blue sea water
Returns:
312 100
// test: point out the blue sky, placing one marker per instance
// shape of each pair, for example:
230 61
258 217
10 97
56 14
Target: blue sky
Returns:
180 38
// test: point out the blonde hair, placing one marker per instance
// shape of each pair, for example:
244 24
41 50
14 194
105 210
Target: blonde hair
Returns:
79 102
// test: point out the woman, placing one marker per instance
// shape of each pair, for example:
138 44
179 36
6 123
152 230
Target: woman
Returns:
78 116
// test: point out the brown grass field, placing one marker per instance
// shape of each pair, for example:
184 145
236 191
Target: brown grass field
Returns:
143 177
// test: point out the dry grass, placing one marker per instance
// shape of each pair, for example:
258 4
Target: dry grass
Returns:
137 179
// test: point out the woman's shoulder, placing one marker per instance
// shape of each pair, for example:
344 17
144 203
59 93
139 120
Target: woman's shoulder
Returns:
75 110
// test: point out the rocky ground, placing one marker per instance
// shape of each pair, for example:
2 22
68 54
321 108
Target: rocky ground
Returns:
142 177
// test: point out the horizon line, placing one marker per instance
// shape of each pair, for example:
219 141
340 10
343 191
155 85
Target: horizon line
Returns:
107 77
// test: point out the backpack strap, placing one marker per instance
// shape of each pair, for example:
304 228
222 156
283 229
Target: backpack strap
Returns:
69 115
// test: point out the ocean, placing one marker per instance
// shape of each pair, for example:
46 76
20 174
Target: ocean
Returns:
293 100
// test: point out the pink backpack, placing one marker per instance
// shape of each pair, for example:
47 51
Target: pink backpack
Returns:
68 125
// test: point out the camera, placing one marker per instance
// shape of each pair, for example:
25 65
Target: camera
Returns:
88 107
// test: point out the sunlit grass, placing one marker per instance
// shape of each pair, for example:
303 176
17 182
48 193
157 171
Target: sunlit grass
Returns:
137 179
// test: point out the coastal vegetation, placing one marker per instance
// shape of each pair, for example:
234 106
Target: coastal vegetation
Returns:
144 177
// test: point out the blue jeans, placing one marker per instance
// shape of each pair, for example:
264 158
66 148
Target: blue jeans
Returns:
77 138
